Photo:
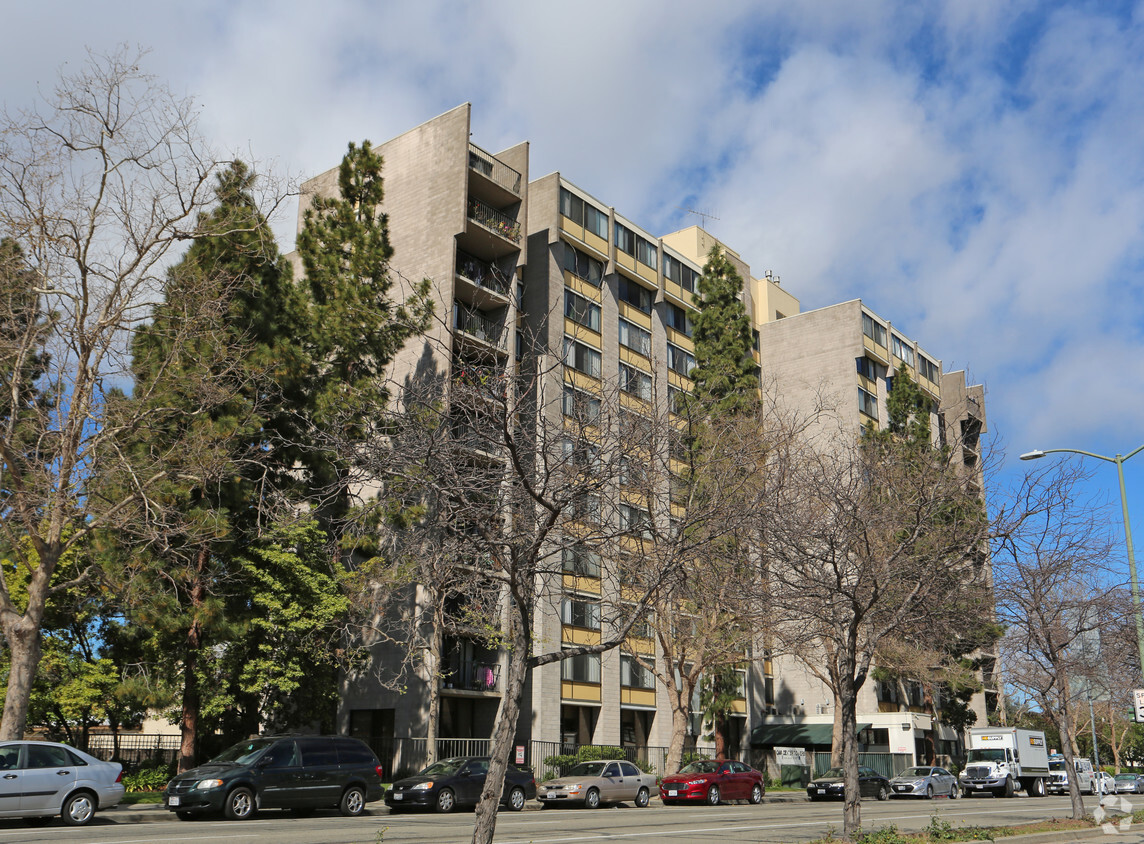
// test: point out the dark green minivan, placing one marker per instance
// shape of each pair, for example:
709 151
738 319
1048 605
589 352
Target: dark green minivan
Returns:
279 772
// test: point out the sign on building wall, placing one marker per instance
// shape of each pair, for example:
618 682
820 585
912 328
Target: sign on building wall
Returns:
520 754
790 755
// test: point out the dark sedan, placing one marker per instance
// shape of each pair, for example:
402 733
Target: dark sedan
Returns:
712 781
829 785
456 782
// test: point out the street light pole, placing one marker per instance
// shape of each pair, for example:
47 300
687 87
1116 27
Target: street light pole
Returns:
1119 460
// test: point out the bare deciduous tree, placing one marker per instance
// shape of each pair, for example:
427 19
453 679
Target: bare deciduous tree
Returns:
1054 590
98 191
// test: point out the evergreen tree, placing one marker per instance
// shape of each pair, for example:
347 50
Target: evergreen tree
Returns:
725 375
908 409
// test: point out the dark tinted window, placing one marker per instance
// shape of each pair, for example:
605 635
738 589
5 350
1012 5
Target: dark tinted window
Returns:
282 755
9 757
318 752
629 769
613 770
355 753
75 758
46 756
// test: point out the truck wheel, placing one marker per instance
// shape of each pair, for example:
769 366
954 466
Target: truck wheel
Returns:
1036 788
1009 789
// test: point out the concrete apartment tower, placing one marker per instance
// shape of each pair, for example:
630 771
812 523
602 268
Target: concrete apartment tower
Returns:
549 265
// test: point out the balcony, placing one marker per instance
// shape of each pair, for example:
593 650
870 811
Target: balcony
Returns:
473 676
487 332
481 283
494 170
495 221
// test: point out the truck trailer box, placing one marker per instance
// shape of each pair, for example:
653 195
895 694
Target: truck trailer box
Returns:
1003 760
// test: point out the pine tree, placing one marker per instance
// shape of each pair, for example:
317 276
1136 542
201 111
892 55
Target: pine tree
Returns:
726 380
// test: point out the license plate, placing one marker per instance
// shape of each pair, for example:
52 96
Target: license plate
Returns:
173 800
673 794
398 796
551 795
822 791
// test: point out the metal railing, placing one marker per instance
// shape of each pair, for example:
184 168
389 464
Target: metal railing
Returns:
472 675
494 220
135 749
887 764
479 325
483 274
493 169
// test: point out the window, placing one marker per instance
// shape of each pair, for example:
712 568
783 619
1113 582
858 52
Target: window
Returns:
581 358
874 330
677 318
646 252
584 668
581 311
586 507
635 520
583 266
633 675
635 382
625 240
635 294
581 562
577 611
690 279
48 756
676 399
581 454
635 338
868 403
581 406
635 430
679 490
871 369
928 368
583 213
672 268
903 351
633 471
627 769
679 360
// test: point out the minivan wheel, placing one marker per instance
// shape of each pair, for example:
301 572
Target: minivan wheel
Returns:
78 809
353 801
239 804
516 799
446 800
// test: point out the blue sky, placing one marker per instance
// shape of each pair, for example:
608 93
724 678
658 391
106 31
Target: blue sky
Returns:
973 169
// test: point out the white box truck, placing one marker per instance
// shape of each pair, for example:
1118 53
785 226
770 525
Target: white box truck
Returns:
1058 781
1003 760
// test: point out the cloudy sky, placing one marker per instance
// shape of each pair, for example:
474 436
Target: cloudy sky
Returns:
972 169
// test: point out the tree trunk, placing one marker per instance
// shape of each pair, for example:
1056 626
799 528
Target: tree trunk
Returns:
852 806
836 736
504 731
1066 728
680 710
433 670
24 646
192 697
719 725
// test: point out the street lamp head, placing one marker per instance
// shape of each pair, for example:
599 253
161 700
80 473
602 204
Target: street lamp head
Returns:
1033 455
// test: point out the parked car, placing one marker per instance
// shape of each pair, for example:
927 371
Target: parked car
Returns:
597 782
279 772
1129 783
451 783
1103 783
829 785
924 781
41 779
712 781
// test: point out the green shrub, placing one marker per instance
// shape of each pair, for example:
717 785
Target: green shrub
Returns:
147 779
589 753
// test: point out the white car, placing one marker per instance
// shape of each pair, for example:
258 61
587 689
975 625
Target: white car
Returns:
1103 783
41 779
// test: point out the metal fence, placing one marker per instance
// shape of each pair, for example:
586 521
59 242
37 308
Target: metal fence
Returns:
135 750
886 764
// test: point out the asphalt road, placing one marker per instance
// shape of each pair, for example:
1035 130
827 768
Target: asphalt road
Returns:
771 823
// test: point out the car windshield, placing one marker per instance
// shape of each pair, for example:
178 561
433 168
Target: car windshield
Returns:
1126 776
444 768
700 766
833 772
916 772
1057 765
244 753
587 769
990 755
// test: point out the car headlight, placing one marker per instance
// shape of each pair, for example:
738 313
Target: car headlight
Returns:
574 788
205 784
696 782
422 786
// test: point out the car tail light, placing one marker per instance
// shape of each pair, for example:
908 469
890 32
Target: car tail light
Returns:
119 776
380 772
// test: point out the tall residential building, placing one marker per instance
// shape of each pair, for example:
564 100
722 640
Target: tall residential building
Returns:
548 265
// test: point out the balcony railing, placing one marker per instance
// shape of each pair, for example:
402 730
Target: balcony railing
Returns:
493 169
494 220
483 274
477 324
473 676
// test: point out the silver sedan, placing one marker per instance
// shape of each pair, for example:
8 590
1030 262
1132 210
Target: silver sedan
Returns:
41 779
925 782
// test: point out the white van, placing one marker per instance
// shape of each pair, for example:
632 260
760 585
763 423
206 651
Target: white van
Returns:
1058 781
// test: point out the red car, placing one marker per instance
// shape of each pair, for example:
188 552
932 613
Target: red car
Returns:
713 781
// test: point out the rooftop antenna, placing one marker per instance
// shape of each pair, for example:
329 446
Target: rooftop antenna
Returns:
703 216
